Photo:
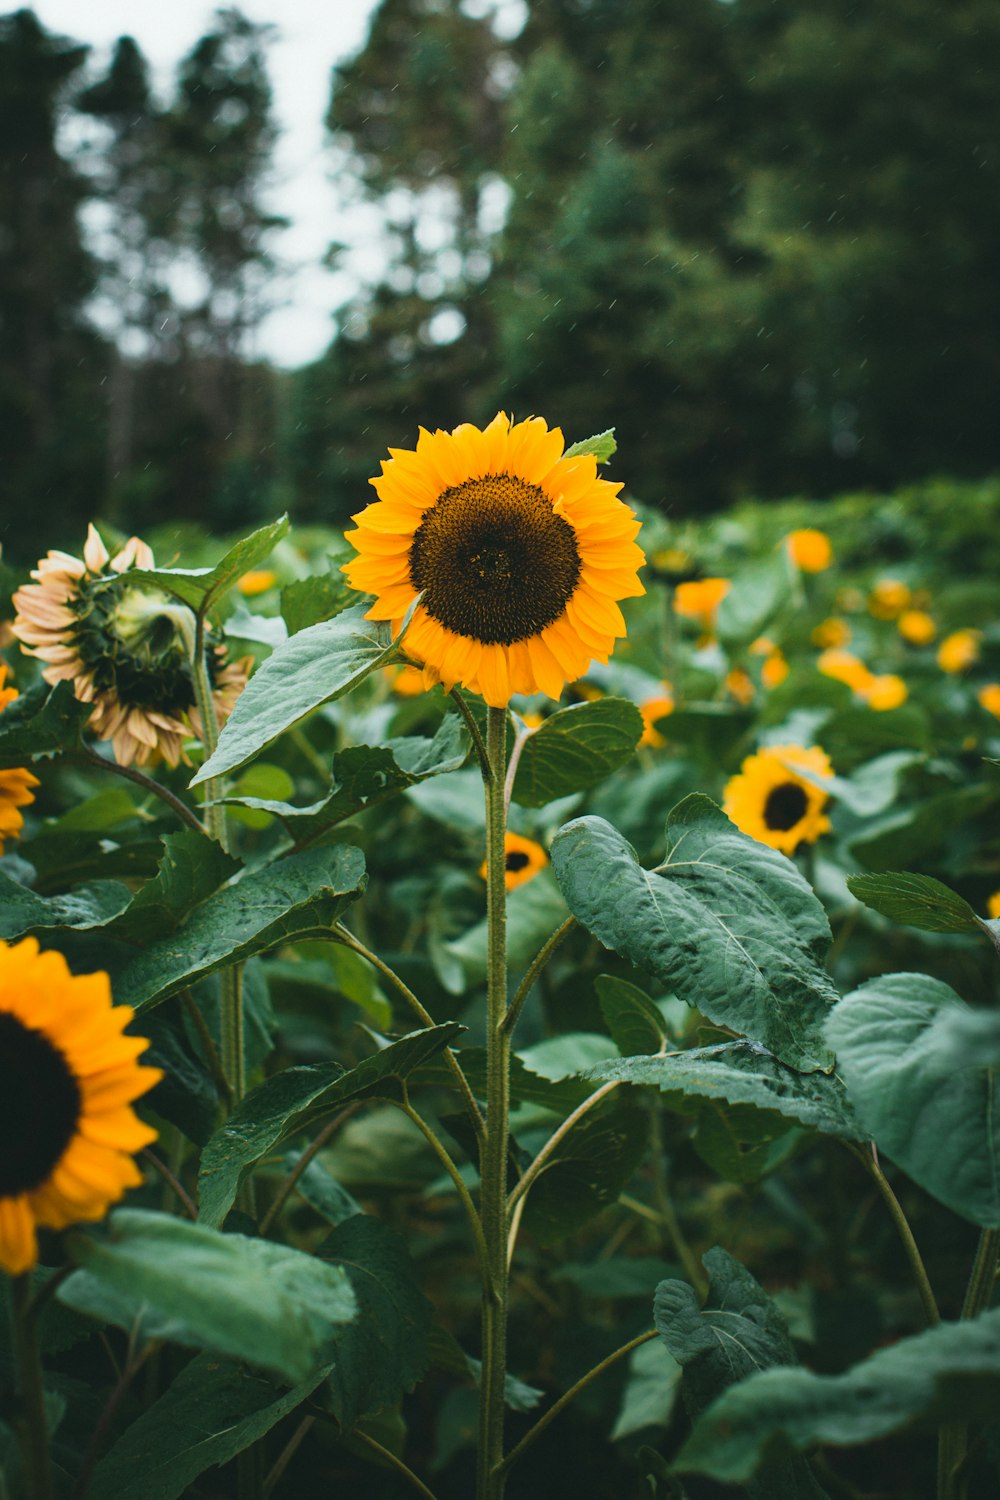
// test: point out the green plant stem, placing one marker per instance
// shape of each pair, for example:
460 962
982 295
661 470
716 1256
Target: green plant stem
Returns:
444 1157
473 728
868 1160
286 1455
173 1182
574 1390
207 1040
32 1425
953 1438
538 963
341 934
312 1150
103 763
231 1027
493 1151
393 1462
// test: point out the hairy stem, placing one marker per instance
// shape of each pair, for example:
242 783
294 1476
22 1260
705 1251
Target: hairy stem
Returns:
105 763
868 1160
534 969
32 1425
444 1157
309 1154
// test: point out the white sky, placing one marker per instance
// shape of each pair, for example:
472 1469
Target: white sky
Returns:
313 35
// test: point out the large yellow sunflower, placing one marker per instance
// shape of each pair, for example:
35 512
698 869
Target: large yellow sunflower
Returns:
773 804
521 552
16 784
523 859
124 645
67 1081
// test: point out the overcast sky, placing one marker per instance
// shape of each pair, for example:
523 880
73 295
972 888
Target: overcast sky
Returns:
312 36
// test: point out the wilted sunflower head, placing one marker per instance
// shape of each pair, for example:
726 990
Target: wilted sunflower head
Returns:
68 1077
17 784
773 803
520 551
125 645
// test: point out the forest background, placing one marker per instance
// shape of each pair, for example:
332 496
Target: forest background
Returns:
759 238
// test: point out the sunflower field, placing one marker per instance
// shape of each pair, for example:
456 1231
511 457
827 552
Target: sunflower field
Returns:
504 1000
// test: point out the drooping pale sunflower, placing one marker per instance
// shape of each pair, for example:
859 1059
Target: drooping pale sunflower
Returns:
523 860
522 554
68 1077
16 784
773 804
124 645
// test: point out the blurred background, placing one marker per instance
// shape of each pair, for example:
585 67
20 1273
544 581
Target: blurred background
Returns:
239 260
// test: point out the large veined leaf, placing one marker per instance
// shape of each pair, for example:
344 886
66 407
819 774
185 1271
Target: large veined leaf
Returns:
737 1332
43 721
294 1100
726 923
895 1039
273 1306
319 664
384 1352
589 1168
201 588
212 1411
94 904
308 601
192 868
300 895
743 1073
950 1373
364 775
575 749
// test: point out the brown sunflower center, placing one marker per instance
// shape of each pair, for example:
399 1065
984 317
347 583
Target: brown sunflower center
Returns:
496 563
785 806
516 860
40 1105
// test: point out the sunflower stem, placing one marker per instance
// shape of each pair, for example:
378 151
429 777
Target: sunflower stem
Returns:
33 1427
470 723
108 763
953 1438
493 1155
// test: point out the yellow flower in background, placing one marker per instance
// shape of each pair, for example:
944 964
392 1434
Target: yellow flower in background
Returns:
888 691
844 666
917 627
125 646
831 633
524 859
68 1077
809 549
407 682
775 805
993 905
521 552
16 784
739 684
774 668
700 600
257 581
958 650
888 599
652 711
989 698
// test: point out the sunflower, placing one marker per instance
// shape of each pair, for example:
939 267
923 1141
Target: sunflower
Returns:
916 627
16 784
124 645
653 710
700 600
989 698
524 859
809 549
958 650
520 550
773 804
884 692
888 599
993 906
832 632
67 1080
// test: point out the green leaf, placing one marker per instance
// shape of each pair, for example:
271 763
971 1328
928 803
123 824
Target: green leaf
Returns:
950 1373
364 775
743 1073
588 1170
97 814
575 749
726 923
309 601
602 445
200 588
192 868
534 911
894 1038
294 1101
758 592
43 721
738 1332
384 1352
314 667
739 1141
916 901
300 895
212 1411
275 1307
651 1390
631 1017
88 906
